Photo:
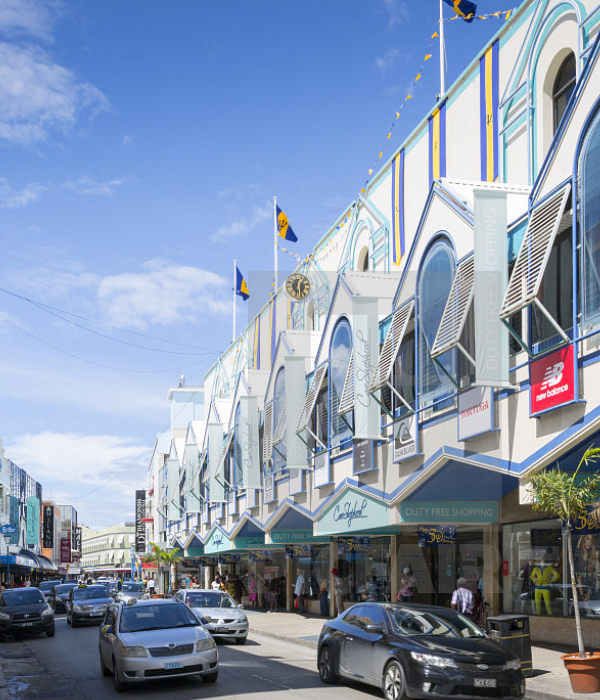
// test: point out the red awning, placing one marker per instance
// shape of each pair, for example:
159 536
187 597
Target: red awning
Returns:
147 520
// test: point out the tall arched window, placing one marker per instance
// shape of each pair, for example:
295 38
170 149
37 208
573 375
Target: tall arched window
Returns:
588 181
362 264
279 451
564 84
237 448
339 359
435 281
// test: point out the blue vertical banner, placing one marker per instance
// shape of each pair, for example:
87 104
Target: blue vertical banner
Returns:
437 143
488 113
398 246
33 520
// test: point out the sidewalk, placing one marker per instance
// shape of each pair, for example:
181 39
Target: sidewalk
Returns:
550 680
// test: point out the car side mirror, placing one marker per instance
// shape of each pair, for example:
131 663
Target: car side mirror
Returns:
241 606
375 628
107 629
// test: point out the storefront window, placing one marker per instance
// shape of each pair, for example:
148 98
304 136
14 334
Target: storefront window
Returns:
315 566
364 567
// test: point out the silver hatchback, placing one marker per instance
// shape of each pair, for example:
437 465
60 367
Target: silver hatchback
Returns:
152 639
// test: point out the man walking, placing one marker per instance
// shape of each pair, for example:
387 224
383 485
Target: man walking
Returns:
463 600
299 590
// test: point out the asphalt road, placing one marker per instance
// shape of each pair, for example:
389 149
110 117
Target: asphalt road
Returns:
67 667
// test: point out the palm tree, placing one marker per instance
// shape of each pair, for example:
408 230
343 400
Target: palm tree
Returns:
566 497
167 558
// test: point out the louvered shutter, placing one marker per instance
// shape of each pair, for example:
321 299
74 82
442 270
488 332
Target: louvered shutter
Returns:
311 398
280 428
268 434
391 346
347 400
457 308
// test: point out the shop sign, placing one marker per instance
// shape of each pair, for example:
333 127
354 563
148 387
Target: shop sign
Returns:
65 550
475 412
552 380
193 551
353 544
406 438
260 555
362 456
207 561
78 537
353 511
217 542
248 440
33 520
365 344
268 489
292 536
298 550
48 527
449 512
140 526
321 473
248 542
587 523
436 536
229 558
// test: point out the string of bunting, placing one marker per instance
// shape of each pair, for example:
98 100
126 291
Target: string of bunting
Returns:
497 15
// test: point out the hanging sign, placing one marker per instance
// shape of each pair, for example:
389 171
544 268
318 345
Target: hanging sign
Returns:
65 550
248 442
268 489
475 412
365 346
406 434
260 555
552 380
353 544
436 536
140 527
33 520
362 456
321 473
298 550
48 527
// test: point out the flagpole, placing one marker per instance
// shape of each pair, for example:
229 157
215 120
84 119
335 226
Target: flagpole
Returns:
442 53
234 284
275 243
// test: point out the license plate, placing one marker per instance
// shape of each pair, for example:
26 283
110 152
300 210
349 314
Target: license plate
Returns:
27 624
172 664
98 614
485 682
221 630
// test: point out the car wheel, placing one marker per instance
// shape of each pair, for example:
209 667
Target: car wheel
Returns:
326 667
105 671
68 619
210 677
394 687
50 633
120 685
74 623
240 640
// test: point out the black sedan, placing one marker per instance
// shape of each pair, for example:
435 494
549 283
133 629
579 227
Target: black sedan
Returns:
25 610
417 651
87 604
59 594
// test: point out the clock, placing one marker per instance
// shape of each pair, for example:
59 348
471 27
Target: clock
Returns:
297 286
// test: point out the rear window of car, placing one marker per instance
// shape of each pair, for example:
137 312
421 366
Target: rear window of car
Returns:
133 587
209 600
138 618
22 596
48 585
64 587
90 593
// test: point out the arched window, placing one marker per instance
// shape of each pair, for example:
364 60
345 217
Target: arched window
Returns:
564 84
588 180
339 359
362 264
237 447
279 451
435 281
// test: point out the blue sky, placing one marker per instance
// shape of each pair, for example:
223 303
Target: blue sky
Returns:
141 145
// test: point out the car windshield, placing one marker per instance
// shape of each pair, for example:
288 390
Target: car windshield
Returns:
446 623
64 587
22 596
48 585
209 600
133 587
138 618
89 593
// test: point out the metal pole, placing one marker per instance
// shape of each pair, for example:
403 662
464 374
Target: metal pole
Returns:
275 244
7 562
442 52
234 290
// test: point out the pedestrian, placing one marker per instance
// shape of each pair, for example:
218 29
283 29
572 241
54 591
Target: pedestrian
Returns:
300 592
150 586
339 592
260 591
238 589
463 600
408 587
252 594
324 596
273 594
216 584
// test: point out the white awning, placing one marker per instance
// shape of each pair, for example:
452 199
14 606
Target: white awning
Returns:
347 400
280 428
268 434
311 397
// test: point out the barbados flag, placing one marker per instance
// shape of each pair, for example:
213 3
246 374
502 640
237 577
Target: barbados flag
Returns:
241 287
463 8
284 228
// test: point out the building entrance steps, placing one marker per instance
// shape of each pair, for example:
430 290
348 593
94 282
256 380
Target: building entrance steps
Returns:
549 682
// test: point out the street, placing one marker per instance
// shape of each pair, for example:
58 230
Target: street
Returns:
67 666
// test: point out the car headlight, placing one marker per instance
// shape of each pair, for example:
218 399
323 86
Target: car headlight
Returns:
432 660
133 652
4 616
512 665
243 618
77 608
205 644
47 611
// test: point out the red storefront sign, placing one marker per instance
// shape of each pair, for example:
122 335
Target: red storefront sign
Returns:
552 380
65 550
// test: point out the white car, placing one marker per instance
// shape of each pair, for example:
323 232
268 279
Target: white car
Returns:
151 639
219 612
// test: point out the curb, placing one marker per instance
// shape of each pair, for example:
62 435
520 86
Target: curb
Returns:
283 638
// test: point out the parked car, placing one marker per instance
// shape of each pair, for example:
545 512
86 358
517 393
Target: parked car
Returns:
149 639
25 610
416 651
87 604
221 615
57 597
131 589
46 586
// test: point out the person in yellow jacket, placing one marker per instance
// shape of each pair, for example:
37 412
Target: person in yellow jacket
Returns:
543 576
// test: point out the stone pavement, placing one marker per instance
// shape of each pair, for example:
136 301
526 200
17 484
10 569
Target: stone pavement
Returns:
550 680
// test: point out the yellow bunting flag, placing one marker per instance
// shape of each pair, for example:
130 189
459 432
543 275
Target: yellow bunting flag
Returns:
428 56
397 115
409 97
418 77
434 35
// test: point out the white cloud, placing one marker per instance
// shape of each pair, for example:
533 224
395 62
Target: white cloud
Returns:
165 294
242 226
85 185
29 17
384 63
398 12
11 198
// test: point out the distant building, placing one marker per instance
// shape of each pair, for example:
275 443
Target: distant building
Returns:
108 552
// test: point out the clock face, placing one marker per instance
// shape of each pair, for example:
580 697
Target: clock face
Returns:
297 286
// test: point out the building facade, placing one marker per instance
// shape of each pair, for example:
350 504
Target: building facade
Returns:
108 552
444 346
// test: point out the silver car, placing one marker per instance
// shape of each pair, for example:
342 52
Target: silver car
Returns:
149 639
131 589
221 615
